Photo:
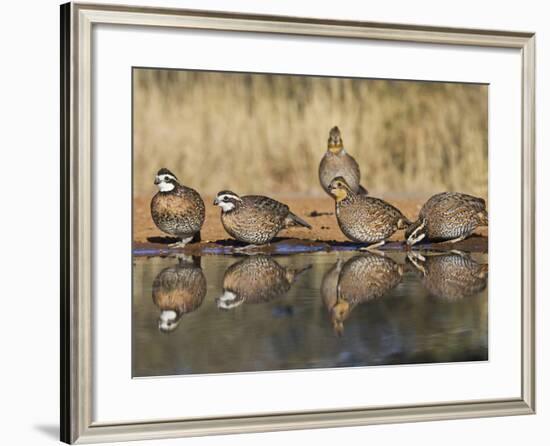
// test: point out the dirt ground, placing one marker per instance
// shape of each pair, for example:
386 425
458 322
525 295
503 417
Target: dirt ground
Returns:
317 211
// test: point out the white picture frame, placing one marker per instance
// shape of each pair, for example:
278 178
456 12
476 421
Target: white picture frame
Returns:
78 423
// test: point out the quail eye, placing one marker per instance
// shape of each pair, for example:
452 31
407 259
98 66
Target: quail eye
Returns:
226 199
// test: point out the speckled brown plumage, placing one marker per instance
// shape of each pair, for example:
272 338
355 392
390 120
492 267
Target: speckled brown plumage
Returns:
363 218
336 162
256 219
448 216
256 279
180 288
179 212
450 276
367 276
363 278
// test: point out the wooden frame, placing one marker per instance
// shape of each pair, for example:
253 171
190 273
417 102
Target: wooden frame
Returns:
77 21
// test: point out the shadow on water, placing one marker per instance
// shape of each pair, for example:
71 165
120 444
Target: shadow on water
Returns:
219 314
162 240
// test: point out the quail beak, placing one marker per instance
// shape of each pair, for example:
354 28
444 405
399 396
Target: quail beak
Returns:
216 201
157 180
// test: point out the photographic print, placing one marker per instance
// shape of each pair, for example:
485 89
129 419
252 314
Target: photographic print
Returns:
285 222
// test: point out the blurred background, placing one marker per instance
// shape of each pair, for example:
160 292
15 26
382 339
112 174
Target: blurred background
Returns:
258 133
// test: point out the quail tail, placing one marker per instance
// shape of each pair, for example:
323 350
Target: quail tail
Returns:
483 271
294 220
483 218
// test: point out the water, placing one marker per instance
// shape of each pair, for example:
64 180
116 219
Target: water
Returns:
220 314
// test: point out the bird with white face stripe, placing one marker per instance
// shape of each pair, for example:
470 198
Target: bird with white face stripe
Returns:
255 219
448 216
178 290
451 275
256 279
177 210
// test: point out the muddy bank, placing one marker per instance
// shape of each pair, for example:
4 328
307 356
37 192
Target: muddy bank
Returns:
325 234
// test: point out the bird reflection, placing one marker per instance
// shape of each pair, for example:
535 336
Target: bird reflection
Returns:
256 279
362 278
452 275
329 284
178 290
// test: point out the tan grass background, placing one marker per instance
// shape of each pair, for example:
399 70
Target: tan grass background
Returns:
255 133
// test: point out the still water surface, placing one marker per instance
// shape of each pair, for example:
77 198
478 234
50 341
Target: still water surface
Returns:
219 314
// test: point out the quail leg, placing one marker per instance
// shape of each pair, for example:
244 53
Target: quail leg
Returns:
416 255
246 249
446 253
413 240
416 260
372 248
455 240
415 237
460 253
181 243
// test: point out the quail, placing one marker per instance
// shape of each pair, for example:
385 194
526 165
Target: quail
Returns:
178 290
336 162
362 278
256 279
176 209
448 216
255 219
452 276
363 218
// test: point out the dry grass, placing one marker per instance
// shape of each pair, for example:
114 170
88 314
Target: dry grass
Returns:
267 133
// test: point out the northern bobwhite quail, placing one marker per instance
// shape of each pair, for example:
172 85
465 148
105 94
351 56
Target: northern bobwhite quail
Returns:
448 216
176 209
255 219
336 162
363 218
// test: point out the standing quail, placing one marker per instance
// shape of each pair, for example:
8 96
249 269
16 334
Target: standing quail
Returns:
448 216
177 210
336 162
363 218
255 219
